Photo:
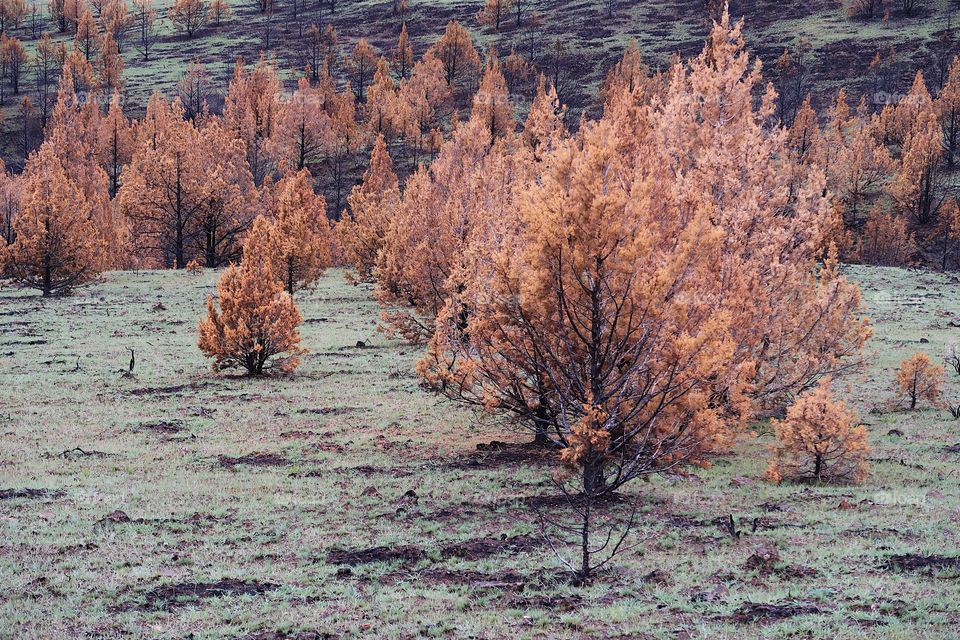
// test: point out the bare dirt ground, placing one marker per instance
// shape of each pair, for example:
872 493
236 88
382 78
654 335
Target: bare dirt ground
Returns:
345 502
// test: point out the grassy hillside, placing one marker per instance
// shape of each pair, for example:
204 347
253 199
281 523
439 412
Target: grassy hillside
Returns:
841 47
343 501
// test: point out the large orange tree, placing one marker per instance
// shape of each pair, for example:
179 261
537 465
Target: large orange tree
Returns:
56 246
664 279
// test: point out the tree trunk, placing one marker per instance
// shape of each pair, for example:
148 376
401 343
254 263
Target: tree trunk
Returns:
589 480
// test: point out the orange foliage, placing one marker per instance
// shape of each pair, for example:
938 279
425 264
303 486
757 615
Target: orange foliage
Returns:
373 204
384 115
494 12
256 326
820 440
544 128
56 246
250 111
296 242
456 52
186 190
9 204
644 283
402 55
363 64
422 260
885 241
188 16
491 103
628 75
919 379
304 130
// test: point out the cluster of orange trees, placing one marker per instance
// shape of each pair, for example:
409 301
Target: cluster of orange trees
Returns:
634 292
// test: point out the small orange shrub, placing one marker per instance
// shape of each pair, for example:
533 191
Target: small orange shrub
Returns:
194 267
257 321
819 440
919 379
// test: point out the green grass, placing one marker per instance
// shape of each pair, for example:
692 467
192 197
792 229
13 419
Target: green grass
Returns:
353 433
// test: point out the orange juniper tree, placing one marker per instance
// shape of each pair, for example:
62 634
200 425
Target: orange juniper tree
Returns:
186 190
56 246
304 130
9 204
885 240
544 128
456 52
115 142
250 112
919 379
421 262
372 205
424 100
820 440
363 64
494 12
402 54
860 167
947 105
919 185
296 242
255 327
383 109
491 102
188 16
658 283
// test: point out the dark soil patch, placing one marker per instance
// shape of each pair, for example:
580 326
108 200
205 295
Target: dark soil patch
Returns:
767 563
914 562
558 603
77 548
76 453
364 470
166 391
330 411
32 494
354 557
163 426
561 501
116 517
253 460
682 521
171 596
497 453
484 547
473 579
293 635
298 434
750 612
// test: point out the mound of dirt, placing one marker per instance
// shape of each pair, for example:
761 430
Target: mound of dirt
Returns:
498 453
163 426
484 547
169 596
354 557
33 494
915 562
253 460
750 612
